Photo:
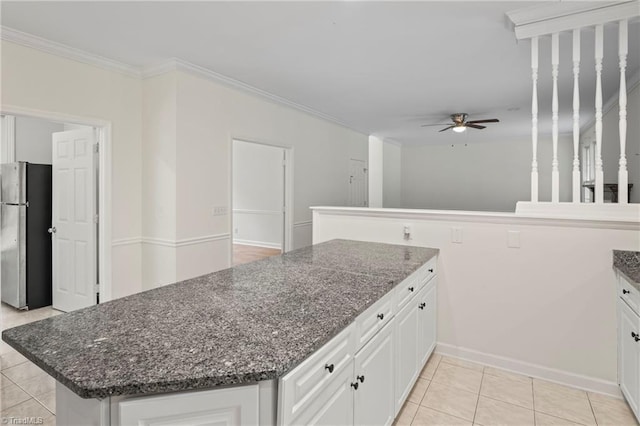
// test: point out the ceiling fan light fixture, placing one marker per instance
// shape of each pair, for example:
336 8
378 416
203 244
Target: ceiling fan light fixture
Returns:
459 129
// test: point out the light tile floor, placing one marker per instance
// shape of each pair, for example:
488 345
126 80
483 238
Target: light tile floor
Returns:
26 392
456 392
449 392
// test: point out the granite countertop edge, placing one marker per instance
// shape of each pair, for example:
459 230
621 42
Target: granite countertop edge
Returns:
627 262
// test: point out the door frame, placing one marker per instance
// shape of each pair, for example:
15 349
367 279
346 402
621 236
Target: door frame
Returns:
103 129
287 243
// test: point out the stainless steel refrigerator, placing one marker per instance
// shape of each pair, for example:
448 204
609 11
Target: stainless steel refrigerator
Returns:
25 202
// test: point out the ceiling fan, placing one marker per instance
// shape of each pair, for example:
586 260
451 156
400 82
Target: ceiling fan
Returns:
460 123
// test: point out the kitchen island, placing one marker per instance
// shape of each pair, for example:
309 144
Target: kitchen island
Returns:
627 266
222 346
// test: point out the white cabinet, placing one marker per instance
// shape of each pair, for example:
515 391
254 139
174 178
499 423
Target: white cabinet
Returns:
373 372
230 406
629 355
333 405
364 375
426 323
406 351
415 339
303 385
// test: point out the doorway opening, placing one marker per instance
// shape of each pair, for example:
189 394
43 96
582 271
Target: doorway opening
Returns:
358 183
260 192
51 237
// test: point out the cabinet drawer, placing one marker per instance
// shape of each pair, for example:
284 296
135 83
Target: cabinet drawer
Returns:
629 293
373 319
427 271
412 285
300 387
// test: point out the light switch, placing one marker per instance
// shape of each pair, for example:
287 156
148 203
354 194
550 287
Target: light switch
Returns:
513 239
220 211
456 235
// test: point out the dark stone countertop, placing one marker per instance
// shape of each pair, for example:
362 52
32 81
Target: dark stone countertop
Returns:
240 325
628 262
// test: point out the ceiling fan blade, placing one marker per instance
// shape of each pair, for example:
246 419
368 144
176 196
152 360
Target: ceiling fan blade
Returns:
447 128
489 120
427 125
475 126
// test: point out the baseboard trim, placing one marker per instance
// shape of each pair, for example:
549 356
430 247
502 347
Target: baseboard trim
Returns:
532 370
258 244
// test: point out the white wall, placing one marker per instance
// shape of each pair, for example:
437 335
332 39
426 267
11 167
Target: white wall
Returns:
376 170
611 142
547 308
258 194
40 81
208 116
159 133
487 176
391 175
33 139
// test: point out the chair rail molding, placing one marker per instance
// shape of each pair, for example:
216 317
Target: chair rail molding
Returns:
165 242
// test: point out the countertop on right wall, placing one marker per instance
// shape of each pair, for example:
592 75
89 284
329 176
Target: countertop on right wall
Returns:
628 262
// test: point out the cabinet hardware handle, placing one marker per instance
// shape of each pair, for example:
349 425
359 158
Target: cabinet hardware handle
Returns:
361 378
422 305
355 385
381 316
329 367
635 336
431 270
625 291
410 289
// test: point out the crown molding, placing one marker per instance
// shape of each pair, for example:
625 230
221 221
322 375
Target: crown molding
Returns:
173 64
59 49
176 64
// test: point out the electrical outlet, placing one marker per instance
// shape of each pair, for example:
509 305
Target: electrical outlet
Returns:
456 235
220 210
513 239
407 232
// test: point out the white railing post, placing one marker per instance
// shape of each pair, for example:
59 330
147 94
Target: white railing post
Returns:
623 177
576 116
555 59
599 53
534 119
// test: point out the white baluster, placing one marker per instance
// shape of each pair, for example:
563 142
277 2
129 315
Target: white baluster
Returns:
599 53
623 178
576 116
534 119
555 176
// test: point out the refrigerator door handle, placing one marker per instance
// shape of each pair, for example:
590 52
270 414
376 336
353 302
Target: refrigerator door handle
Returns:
15 204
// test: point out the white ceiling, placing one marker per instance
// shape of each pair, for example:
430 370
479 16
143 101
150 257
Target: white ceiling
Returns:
382 68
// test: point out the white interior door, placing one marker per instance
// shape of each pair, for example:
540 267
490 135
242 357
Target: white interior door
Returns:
74 220
358 183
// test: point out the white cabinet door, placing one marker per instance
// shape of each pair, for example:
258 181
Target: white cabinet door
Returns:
220 407
373 371
406 351
629 354
333 406
426 323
